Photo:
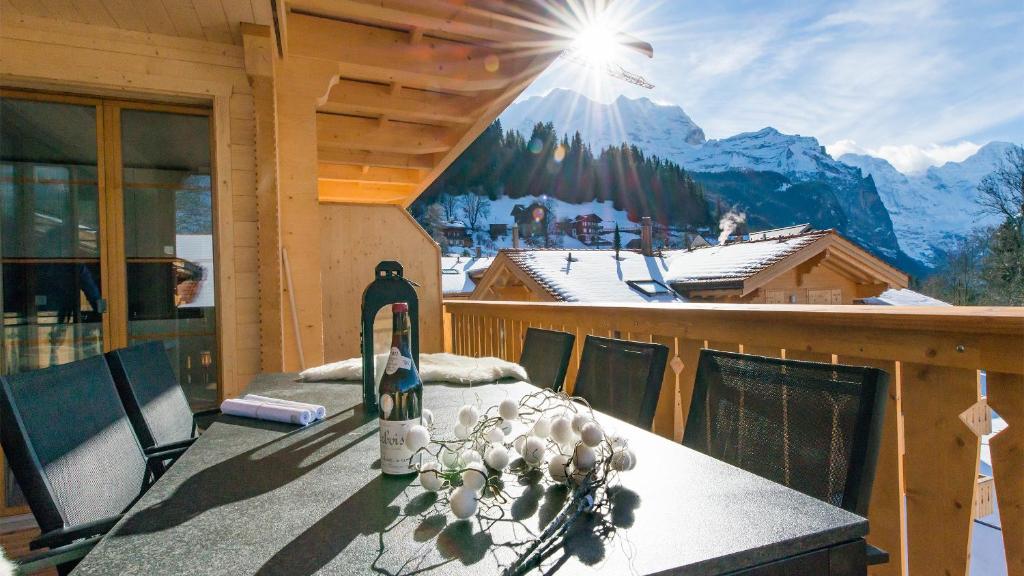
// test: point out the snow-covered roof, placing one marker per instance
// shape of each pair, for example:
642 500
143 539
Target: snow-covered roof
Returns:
595 275
454 224
728 265
903 297
780 232
456 271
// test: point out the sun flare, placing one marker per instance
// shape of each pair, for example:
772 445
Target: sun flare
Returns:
596 43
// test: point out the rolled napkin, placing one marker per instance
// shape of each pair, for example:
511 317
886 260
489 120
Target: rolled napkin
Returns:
318 411
267 411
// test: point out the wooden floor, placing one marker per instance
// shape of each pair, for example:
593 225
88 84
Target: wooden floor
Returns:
15 545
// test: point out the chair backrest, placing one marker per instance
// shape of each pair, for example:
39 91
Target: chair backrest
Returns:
155 403
811 426
69 443
622 378
546 357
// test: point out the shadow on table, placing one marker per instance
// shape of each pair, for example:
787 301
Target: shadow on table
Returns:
368 511
251 473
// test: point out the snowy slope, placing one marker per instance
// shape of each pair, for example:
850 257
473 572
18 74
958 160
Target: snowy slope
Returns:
930 211
501 210
663 130
765 150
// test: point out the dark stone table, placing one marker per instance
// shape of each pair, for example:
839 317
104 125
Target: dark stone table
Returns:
254 497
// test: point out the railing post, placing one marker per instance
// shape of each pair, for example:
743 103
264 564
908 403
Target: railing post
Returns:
1006 397
940 467
885 512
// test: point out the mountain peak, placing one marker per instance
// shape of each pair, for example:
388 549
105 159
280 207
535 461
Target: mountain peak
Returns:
659 129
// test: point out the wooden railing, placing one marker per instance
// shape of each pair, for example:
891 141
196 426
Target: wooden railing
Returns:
927 480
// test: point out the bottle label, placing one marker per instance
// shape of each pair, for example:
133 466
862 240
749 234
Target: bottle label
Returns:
394 456
396 361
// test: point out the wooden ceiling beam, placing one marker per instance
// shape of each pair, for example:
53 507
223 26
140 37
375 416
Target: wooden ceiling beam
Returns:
362 192
383 55
368 99
439 19
369 174
364 158
369 134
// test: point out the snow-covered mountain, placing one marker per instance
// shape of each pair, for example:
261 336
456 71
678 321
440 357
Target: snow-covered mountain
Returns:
662 130
809 185
930 211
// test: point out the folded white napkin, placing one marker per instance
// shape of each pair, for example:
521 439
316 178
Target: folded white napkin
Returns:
318 411
267 411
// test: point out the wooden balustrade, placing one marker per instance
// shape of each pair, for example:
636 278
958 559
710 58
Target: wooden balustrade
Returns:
927 487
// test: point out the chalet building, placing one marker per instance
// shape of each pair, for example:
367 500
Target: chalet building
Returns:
498 230
810 267
457 234
586 228
532 219
225 175
460 274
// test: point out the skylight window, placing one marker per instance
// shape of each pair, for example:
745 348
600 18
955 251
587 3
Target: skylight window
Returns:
650 287
450 271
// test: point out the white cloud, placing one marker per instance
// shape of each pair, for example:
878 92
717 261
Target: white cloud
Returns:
907 158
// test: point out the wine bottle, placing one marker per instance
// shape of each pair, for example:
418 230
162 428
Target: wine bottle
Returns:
400 399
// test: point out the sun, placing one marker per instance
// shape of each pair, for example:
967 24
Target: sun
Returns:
596 43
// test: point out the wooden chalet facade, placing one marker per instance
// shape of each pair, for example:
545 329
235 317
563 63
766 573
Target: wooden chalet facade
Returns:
815 267
312 125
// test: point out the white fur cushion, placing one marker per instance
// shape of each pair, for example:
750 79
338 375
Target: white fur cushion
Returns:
441 367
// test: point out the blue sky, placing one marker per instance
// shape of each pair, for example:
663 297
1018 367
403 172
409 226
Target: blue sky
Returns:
918 82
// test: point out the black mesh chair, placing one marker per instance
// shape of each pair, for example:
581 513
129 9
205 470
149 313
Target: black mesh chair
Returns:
811 426
622 378
546 356
73 452
153 398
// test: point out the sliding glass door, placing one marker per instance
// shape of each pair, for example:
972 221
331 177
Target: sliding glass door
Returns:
106 236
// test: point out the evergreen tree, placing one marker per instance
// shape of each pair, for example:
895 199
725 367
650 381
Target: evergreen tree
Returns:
617 241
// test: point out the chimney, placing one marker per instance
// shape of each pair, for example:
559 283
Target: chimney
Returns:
646 234
515 237
479 252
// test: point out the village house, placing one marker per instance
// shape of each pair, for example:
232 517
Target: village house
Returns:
809 267
586 228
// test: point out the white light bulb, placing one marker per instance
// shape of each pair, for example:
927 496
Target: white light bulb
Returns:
508 409
463 502
592 434
542 428
450 458
471 455
533 451
495 435
561 430
461 432
474 476
429 477
416 437
579 421
427 418
558 468
497 457
468 415
584 458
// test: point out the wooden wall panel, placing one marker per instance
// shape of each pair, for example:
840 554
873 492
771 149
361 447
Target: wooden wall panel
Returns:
72 57
354 238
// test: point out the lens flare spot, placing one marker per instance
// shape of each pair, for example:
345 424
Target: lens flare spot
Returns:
559 153
535 146
492 63
538 214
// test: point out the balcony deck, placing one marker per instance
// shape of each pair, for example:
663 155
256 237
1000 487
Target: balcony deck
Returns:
927 489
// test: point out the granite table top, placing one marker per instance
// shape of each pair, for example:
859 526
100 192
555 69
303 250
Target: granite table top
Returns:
253 497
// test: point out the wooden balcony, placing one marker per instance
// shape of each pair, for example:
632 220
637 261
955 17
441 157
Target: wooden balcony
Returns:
927 489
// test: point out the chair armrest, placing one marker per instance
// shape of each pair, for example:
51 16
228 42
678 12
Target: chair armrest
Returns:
877 556
169 446
39 561
62 536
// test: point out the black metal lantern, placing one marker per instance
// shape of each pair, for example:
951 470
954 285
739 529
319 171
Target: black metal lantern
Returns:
388 287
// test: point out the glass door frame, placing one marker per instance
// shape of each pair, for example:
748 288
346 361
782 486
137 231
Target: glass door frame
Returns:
110 205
